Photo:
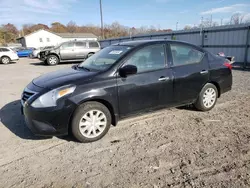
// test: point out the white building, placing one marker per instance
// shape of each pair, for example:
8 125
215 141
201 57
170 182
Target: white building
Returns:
41 38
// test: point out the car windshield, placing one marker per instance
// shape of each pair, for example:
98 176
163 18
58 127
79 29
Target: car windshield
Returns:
58 45
103 59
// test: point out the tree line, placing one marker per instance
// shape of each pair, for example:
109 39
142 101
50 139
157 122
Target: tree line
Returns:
9 32
235 19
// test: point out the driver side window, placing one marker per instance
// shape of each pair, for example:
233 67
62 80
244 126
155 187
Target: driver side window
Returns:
67 45
148 58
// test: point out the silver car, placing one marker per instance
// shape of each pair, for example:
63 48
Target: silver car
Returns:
69 51
36 53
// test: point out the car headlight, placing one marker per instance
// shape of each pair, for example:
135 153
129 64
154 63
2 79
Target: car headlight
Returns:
49 99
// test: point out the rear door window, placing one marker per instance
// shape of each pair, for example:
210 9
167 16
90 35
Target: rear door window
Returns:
80 44
184 55
4 50
93 45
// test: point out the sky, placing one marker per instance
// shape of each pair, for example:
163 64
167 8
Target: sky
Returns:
162 14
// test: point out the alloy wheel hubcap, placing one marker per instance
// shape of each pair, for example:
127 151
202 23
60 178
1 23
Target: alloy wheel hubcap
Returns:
93 123
209 97
5 60
52 60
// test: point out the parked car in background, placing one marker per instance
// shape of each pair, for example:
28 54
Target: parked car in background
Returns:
25 52
121 80
7 55
36 53
69 51
16 49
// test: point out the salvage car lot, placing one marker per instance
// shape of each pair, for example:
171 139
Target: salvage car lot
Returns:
176 147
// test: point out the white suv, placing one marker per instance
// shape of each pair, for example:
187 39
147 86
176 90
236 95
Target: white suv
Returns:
7 55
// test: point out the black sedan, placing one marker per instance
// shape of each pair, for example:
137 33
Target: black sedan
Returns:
121 80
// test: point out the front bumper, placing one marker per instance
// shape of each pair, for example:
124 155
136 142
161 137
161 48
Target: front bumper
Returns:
32 56
43 58
53 121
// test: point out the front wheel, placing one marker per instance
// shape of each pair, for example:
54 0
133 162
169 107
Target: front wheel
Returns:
91 122
207 98
52 60
5 60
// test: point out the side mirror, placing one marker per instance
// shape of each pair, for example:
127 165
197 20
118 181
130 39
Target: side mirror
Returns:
127 70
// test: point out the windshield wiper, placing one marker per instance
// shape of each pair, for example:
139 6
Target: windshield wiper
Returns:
81 67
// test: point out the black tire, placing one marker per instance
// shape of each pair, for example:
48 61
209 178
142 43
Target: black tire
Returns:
78 115
199 104
52 60
90 54
5 60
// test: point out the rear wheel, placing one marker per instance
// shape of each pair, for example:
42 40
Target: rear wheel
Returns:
5 60
52 60
207 98
91 122
90 54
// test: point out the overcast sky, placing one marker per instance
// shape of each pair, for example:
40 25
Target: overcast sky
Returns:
133 13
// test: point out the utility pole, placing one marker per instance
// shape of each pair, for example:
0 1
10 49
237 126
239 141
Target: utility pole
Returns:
201 27
211 21
102 30
176 26
221 21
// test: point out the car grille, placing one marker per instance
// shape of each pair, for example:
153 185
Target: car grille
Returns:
27 94
43 54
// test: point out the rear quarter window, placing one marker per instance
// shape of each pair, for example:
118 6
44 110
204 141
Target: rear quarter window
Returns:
80 44
93 45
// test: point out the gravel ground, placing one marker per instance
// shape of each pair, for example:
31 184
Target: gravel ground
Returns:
169 148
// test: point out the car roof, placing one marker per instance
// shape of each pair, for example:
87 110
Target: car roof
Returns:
143 42
136 43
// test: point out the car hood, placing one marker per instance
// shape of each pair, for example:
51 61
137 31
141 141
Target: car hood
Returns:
36 51
62 77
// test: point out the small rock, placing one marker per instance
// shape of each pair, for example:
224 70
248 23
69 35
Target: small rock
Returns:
172 171
114 141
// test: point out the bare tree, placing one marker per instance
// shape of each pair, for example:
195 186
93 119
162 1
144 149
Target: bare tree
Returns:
58 27
71 27
187 27
237 18
214 24
247 19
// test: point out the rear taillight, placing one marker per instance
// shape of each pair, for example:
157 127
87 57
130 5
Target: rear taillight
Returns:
228 65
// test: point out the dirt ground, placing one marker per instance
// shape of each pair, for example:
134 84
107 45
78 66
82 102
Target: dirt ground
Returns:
178 147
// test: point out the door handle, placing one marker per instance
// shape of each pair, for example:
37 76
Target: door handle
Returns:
204 72
163 78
